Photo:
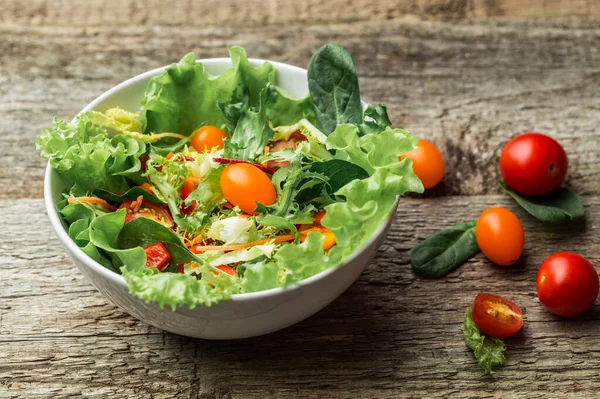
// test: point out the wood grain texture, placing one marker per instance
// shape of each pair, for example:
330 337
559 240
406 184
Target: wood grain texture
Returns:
468 85
392 334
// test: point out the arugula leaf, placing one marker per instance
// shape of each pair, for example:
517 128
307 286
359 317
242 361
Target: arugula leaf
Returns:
185 96
131 194
333 86
375 121
83 153
441 253
236 107
560 206
488 351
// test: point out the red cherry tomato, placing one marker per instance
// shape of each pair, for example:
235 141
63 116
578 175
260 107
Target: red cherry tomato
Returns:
427 163
147 209
567 284
500 236
533 164
245 185
208 137
191 183
496 316
157 255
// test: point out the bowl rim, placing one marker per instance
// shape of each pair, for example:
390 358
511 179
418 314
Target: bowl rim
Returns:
117 278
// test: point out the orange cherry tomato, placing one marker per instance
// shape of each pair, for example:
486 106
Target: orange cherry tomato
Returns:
500 236
245 185
428 163
208 137
147 187
191 183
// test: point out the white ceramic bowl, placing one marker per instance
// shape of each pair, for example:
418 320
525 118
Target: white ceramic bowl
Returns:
244 315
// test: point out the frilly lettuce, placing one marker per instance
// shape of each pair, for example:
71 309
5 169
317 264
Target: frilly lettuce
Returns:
84 153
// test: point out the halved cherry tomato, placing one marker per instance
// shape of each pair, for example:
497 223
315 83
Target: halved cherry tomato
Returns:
533 164
157 255
500 236
208 137
148 210
427 163
226 269
496 316
567 284
245 185
191 183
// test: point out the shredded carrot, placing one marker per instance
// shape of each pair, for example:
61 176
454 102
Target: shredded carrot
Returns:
170 155
195 241
203 248
93 200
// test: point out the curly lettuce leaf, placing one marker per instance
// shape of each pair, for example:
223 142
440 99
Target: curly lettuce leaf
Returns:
375 120
84 153
488 351
369 200
185 96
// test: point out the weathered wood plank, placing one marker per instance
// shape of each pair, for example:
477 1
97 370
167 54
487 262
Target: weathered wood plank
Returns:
390 335
468 88
252 13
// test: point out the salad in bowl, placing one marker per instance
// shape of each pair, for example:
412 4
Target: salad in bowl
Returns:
226 184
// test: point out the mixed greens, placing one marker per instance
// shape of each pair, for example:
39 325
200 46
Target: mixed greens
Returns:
227 184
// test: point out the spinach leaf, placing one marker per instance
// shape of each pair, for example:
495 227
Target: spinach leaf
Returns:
560 206
333 86
131 194
376 120
445 250
338 173
487 350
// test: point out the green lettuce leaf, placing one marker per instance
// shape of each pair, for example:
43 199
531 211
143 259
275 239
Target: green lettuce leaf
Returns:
375 121
488 351
83 153
252 133
281 109
369 200
186 97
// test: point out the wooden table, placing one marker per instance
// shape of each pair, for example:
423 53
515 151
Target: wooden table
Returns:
447 71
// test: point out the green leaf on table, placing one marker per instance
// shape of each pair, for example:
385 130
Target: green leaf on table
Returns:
441 253
333 86
560 206
487 350
130 194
